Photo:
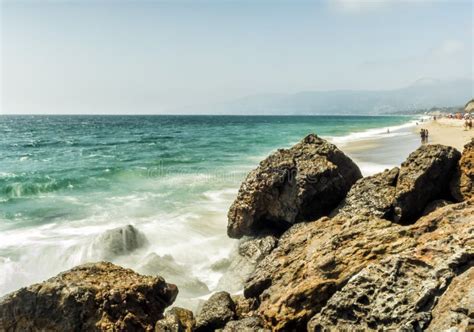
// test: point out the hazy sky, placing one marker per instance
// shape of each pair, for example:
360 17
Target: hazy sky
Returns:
157 56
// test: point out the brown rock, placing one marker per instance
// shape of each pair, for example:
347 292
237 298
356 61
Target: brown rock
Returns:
455 308
248 324
298 184
215 312
176 320
360 255
371 196
423 177
91 297
462 185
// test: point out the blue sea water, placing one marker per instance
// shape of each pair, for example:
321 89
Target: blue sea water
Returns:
64 180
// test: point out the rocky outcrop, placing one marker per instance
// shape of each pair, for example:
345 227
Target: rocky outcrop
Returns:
355 272
169 269
423 177
248 324
243 261
216 312
402 194
118 241
176 320
292 185
90 297
371 196
462 185
455 308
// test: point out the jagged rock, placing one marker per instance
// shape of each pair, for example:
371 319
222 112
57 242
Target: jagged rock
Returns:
462 185
90 297
215 312
167 267
432 206
401 194
292 185
244 307
423 177
313 261
118 241
249 252
248 324
176 320
397 293
371 196
256 249
455 308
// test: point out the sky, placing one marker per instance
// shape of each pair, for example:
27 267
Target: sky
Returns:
134 57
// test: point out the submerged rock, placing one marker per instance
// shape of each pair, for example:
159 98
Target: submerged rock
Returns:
215 312
462 185
167 267
243 261
90 297
347 273
292 185
119 241
176 320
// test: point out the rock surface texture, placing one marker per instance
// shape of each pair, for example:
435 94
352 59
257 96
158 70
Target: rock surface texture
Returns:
363 272
402 194
90 297
462 186
302 183
216 312
176 320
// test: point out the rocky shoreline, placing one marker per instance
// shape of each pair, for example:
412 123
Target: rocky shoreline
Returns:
321 249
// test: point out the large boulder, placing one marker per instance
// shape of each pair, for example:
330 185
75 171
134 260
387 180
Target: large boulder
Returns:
354 272
90 297
402 194
292 185
216 312
462 185
423 177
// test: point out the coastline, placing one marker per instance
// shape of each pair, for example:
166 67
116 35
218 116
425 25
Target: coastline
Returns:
449 132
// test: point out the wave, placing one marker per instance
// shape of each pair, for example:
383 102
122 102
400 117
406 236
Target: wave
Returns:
381 132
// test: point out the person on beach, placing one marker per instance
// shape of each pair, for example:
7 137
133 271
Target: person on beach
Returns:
423 136
426 135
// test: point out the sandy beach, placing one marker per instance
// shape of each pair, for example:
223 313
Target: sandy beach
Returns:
447 132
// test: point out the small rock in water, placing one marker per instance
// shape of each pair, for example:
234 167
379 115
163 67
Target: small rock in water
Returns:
119 241
167 267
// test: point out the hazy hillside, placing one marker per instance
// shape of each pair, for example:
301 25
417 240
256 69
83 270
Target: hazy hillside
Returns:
423 94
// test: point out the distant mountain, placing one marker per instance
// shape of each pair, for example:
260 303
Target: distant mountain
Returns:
423 94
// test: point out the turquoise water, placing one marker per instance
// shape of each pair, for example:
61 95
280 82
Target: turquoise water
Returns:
64 180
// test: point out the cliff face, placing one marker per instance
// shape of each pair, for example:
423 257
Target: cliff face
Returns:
369 263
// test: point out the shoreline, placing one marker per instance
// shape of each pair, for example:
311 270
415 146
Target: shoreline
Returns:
449 132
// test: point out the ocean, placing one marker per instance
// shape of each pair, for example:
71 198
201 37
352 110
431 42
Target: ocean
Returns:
65 180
